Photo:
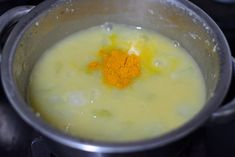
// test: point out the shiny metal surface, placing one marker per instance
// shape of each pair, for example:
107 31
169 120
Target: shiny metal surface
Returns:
14 133
10 18
53 20
226 113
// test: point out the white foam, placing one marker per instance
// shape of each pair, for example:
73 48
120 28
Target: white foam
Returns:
76 98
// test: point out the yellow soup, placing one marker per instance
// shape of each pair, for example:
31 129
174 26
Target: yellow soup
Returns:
117 84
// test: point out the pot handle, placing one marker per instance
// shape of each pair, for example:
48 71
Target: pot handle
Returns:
226 113
8 20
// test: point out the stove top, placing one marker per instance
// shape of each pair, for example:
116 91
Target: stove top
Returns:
17 139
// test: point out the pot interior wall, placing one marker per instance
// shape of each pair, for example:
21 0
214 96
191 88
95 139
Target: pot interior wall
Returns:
170 18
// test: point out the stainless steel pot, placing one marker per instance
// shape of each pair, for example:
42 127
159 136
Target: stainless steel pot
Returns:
53 20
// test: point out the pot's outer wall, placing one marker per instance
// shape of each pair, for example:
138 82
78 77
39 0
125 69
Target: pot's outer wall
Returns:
171 150
53 20
178 24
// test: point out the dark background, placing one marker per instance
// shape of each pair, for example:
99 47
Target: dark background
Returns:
214 141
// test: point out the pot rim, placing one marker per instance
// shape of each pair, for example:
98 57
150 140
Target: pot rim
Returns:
106 147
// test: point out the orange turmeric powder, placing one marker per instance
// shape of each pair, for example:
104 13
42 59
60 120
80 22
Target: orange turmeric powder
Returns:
93 65
118 68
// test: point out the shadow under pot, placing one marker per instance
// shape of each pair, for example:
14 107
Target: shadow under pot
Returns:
40 27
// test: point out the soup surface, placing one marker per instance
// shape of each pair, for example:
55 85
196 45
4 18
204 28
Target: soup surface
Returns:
116 83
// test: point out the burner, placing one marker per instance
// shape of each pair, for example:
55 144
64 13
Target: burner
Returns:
39 148
213 141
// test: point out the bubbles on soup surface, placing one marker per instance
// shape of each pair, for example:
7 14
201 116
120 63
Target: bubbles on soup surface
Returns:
68 88
107 26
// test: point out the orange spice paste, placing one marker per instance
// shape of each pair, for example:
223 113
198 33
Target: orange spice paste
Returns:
119 68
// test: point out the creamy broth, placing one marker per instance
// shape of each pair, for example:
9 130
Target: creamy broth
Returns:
167 93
